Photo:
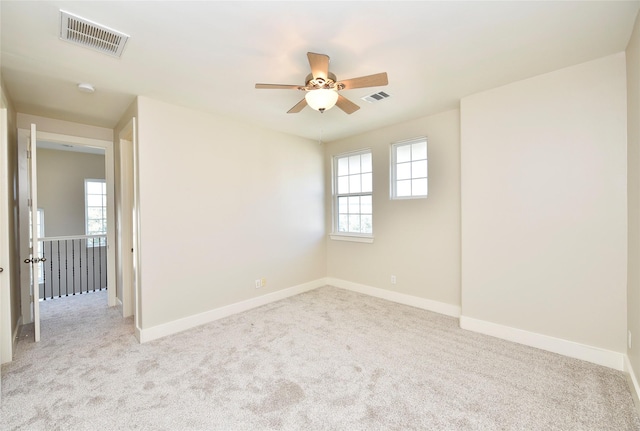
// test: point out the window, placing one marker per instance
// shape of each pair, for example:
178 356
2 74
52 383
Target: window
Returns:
40 231
409 169
95 211
39 222
353 188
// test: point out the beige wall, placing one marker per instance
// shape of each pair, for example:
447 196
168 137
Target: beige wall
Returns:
61 176
633 193
64 127
417 240
544 236
223 204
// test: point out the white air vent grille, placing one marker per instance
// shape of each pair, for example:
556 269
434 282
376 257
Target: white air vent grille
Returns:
91 35
376 97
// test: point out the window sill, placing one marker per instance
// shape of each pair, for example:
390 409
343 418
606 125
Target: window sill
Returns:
353 238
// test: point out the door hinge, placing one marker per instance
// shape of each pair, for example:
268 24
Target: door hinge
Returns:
31 298
28 154
29 202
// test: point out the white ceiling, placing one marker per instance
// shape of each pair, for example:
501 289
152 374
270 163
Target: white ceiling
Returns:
208 55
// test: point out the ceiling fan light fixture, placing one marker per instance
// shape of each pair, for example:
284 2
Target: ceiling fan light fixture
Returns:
321 99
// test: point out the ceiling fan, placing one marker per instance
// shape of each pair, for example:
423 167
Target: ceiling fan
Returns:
322 87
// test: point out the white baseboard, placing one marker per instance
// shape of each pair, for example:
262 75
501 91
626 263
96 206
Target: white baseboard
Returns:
401 298
159 331
120 306
568 348
633 382
14 336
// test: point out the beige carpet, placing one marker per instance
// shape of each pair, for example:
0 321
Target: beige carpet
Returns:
328 359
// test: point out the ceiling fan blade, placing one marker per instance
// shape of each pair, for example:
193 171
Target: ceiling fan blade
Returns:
377 80
346 105
319 65
279 87
299 107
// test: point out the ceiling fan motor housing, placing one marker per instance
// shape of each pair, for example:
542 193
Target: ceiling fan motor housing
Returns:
312 83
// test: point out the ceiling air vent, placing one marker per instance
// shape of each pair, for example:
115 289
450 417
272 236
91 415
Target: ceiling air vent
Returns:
376 97
89 34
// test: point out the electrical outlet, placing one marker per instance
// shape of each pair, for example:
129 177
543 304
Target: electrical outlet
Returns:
393 279
263 282
629 338
258 283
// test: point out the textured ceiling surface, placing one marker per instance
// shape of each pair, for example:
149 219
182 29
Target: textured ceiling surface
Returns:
208 55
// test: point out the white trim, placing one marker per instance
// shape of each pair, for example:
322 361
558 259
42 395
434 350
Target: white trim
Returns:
14 336
393 168
633 383
335 195
401 298
353 238
169 328
596 355
6 261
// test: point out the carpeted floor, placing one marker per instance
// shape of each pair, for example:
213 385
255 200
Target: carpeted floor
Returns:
328 359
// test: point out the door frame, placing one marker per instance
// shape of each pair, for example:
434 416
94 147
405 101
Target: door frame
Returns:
23 135
126 216
6 339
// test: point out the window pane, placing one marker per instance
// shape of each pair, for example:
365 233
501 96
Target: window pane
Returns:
354 205
342 205
343 223
354 184
365 207
94 200
419 151
403 188
343 185
419 169
94 227
366 162
403 153
343 166
403 171
354 164
367 183
94 188
354 223
419 187
95 213
367 224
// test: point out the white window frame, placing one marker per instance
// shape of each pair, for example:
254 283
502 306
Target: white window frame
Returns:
336 233
393 189
40 230
90 241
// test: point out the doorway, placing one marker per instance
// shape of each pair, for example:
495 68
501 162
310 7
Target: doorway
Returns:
63 226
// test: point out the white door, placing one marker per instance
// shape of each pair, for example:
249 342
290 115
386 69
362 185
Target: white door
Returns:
34 246
5 308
